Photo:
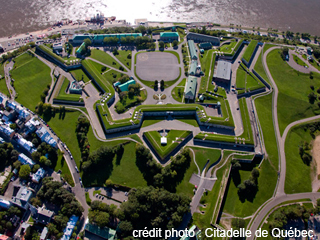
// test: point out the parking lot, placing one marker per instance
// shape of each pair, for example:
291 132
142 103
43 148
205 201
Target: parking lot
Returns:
157 66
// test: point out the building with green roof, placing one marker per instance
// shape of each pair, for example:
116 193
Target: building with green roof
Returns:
106 233
98 38
190 88
192 50
125 86
169 36
80 49
193 68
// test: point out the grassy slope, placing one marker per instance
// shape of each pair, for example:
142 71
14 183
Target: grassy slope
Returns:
293 103
259 67
79 74
298 177
105 58
264 110
266 183
250 49
205 65
31 79
65 96
3 87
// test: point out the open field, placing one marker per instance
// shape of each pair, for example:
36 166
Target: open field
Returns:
293 102
246 81
228 47
259 66
207 68
31 78
123 57
205 154
298 174
123 170
298 60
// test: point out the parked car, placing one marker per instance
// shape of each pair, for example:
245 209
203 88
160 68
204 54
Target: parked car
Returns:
77 170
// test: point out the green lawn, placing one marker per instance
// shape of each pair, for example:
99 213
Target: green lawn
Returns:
111 76
266 185
294 88
264 111
123 171
249 51
259 66
192 122
175 92
31 78
62 95
298 175
246 81
65 172
2 69
3 87
67 133
80 75
228 47
123 57
149 122
98 66
105 58
315 64
298 60
174 137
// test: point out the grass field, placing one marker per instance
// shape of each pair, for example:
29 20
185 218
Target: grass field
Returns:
80 75
298 60
249 51
123 57
31 78
174 137
192 122
105 58
207 68
264 111
111 76
298 175
266 184
3 87
293 102
175 92
246 82
98 66
62 95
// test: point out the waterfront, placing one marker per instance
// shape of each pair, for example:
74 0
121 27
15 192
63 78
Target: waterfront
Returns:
21 16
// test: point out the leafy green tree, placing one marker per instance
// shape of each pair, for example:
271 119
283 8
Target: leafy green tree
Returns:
24 171
175 43
161 44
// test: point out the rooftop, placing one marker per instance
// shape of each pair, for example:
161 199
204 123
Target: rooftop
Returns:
223 70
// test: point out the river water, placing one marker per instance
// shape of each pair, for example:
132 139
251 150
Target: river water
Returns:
21 16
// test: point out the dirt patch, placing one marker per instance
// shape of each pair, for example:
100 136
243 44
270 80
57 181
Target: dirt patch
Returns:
316 155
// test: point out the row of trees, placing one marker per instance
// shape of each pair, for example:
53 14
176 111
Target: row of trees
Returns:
82 129
10 55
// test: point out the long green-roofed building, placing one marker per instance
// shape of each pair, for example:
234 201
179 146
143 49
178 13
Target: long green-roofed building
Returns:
106 233
98 38
169 36
193 68
192 50
190 88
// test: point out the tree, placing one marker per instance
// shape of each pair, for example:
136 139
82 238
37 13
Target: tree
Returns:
24 171
87 42
161 44
255 173
115 51
109 183
175 43
125 227
102 219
